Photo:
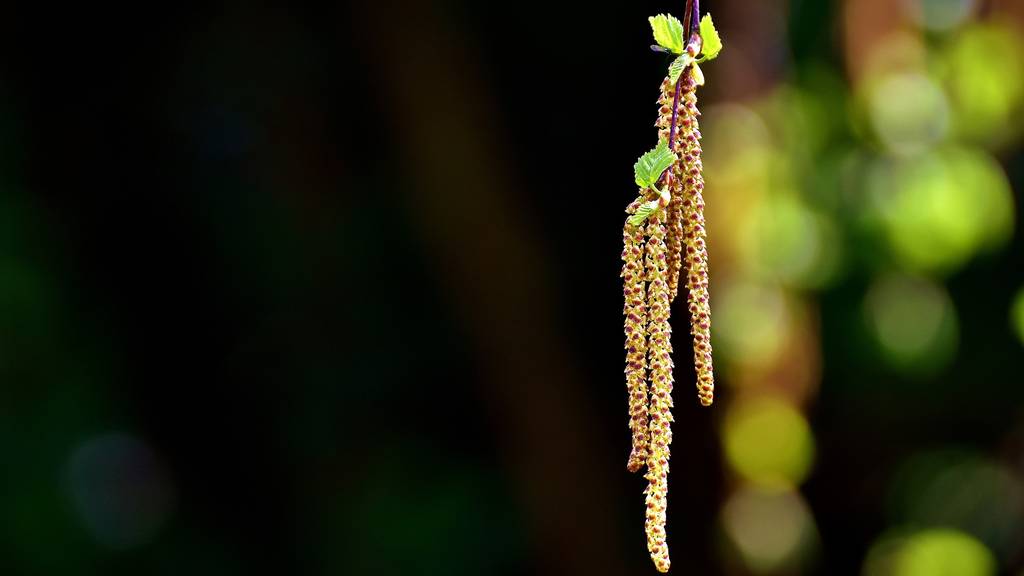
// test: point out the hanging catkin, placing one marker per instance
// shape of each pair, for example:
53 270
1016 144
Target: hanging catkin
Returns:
635 311
659 358
694 240
673 181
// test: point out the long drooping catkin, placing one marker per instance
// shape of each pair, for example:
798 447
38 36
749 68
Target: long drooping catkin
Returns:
659 358
694 239
674 182
635 310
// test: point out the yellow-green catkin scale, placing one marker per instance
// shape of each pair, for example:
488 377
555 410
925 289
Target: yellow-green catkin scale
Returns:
695 240
659 359
673 181
635 311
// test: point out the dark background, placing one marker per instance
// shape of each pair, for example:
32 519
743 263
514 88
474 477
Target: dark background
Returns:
333 289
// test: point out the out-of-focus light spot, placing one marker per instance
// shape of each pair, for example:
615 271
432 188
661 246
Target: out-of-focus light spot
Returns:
933 552
120 489
958 489
772 530
802 119
753 323
735 139
939 209
1017 314
768 442
789 243
984 70
913 321
944 552
908 111
898 51
941 15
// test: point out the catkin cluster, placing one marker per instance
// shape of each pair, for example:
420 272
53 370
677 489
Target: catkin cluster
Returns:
668 249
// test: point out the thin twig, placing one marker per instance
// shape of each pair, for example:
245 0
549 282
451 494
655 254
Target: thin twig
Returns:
688 15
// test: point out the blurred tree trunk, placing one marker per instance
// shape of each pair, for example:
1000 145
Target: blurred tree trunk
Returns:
464 196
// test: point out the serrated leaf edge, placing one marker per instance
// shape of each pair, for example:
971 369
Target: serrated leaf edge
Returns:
709 35
649 167
675 69
674 28
642 213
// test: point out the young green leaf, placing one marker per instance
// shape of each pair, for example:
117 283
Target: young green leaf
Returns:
712 42
641 214
668 32
698 75
649 167
675 69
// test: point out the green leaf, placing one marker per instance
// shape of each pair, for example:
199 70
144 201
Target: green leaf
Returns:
668 32
698 75
641 214
649 167
675 69
711 42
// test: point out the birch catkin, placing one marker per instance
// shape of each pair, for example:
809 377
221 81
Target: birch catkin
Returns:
673 181
659 358
695 241
635 311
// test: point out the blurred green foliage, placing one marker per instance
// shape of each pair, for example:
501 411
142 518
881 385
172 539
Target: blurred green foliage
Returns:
913 322
878 191
768 442
769 531
930 552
